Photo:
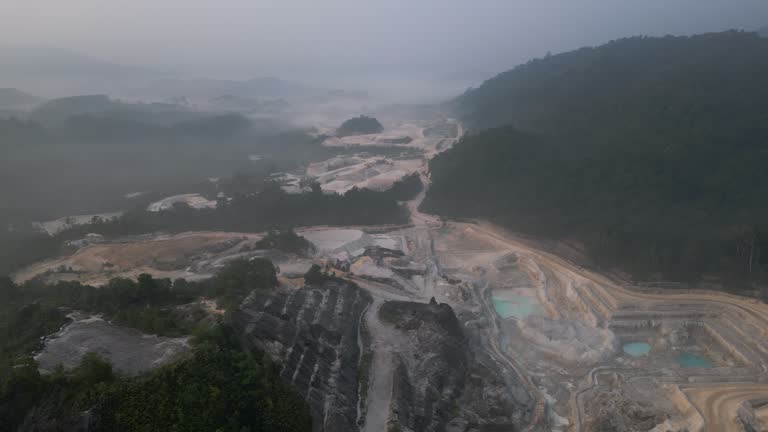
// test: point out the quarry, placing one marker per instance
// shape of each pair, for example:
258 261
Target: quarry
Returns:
128 350
459 326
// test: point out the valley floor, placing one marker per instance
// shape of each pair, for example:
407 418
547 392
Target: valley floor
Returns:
560 346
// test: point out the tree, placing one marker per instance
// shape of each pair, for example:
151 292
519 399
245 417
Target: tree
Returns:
315 276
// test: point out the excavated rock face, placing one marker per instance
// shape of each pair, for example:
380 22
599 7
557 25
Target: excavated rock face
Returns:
746 415
440 384
313 331
620 409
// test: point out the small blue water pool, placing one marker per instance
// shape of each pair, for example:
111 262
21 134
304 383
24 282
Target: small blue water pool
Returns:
690 360
636 349
513 305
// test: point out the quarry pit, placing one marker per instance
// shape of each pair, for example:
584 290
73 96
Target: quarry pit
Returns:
558 346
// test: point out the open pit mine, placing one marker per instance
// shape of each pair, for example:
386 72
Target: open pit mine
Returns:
461 326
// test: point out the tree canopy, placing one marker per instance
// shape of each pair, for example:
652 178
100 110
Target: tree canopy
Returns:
359 126
649 151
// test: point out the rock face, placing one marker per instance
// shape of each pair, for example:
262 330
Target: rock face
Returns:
746 415
129 350
441 384
569 341
314 332
627 407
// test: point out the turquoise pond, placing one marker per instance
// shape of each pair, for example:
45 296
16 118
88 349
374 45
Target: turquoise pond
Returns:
513 305
690 360
636 349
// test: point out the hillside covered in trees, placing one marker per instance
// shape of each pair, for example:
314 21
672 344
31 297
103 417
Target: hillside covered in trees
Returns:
651 152
359 125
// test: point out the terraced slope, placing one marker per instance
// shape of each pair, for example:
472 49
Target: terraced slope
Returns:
314 332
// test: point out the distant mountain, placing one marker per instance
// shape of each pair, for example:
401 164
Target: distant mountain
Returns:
36 62
763 32
11 98
209 88
650 152
248 104
58 111
54 72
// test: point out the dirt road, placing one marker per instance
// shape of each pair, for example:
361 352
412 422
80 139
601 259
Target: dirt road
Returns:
718 403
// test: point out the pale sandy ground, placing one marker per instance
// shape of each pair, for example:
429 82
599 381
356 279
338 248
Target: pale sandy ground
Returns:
99 262
392 132
193 200
57 225
718 403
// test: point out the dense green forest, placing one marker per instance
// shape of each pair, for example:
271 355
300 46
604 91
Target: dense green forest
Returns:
651 152
218 387
359 125
406 188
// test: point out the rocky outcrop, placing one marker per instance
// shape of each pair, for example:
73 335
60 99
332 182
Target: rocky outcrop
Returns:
313 331
746 415
570 342
441 384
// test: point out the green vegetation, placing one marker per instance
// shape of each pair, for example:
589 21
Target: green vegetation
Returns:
315 276
286 241
33 310
406 188
219 387
233 283
359 126
651 152
22 245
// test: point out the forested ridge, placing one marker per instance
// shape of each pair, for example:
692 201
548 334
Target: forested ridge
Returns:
652 152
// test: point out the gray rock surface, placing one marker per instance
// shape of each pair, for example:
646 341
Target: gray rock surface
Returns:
442 384
313 331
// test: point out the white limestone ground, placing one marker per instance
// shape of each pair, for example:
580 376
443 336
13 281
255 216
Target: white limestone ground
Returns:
196 201
57 225
342 173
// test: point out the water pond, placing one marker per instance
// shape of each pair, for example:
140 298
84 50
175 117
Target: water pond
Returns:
690 360
514 305
636 349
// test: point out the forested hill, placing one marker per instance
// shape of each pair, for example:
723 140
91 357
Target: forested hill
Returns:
629 86
652 152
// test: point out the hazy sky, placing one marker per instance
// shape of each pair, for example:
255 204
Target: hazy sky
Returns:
345 38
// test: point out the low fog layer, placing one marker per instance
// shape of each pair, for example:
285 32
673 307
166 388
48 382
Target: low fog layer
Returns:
399 49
